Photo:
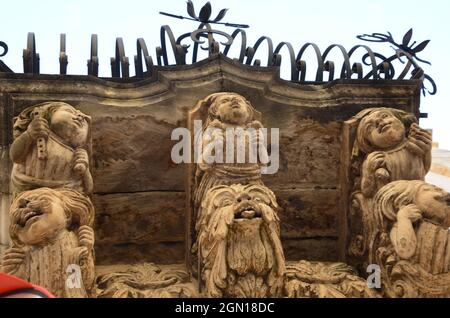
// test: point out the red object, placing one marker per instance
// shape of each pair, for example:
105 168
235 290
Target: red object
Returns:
10 285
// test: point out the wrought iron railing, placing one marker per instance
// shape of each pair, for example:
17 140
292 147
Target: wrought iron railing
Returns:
371 65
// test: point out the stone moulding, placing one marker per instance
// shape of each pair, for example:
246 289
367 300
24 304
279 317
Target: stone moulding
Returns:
218 68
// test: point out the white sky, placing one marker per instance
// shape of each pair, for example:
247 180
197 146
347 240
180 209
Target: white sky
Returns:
322 22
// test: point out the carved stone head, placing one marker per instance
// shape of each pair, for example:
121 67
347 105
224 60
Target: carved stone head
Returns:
40 215
383 129
432 201
64 120
229 108
238 241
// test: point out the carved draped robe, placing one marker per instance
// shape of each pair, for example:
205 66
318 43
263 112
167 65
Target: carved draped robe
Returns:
53 172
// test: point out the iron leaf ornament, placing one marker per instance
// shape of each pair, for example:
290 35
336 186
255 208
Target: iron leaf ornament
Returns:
404 49
204 16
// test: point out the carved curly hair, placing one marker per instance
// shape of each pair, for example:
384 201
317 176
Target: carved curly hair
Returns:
78 208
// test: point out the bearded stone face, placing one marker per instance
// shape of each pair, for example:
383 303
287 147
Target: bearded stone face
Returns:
37 217
238 241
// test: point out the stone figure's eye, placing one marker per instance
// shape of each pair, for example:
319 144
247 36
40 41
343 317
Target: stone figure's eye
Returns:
23 203
385 115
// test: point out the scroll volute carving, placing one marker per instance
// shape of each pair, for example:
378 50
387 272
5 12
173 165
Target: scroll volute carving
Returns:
410 239
239 248
52 241
51 148
207 123
382 145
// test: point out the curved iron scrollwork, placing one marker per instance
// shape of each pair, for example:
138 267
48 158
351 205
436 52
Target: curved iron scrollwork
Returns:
405 49
30 57
360 62
4 47
120 64
92 63
63 58
379 67
142 52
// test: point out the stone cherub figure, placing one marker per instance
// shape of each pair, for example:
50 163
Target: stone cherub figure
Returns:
52 241
229 111
410 239
51 148
396 148
239 248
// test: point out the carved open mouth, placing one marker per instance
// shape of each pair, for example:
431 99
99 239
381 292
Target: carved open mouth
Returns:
29 216
247 211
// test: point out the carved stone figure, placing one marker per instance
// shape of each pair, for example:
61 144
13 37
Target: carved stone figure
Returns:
51 148
231 150
411 239
396 148
239 248
228 111
389 146
52 241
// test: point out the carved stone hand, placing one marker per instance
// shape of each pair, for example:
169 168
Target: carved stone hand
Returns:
38 128
81 161
402 234
419 141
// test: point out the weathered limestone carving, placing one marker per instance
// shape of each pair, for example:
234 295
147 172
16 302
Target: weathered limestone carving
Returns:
239 248
228 111
325 280
396 148
389 146
146 281
51 148
228 119
52 241
411 239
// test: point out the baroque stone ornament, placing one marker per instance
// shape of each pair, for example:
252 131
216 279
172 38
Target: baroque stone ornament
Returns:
396 148
227 111
51 148
325 280
226 117
389 146
52 241
410 239
146 281
239 248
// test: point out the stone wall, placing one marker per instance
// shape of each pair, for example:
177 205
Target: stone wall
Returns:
139 193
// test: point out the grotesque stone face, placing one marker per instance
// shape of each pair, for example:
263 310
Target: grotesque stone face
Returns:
38 217
383 130
245 202
239 244
233 109
70 124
